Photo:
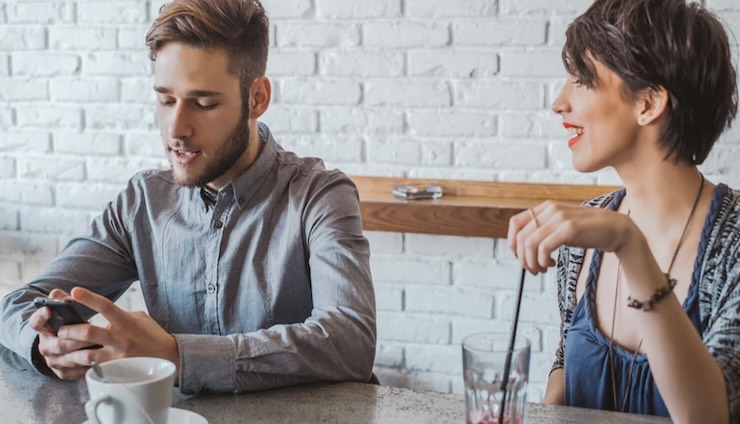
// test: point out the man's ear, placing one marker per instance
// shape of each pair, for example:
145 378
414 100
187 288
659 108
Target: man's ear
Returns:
651 104
260 94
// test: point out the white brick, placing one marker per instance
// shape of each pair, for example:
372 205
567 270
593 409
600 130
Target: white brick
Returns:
89 196
405 34
7 170
6 117
4 65
443 359
25 142
336 149
452 123
363 121
291 63
724 5
451 173
147 144
499 32
26 193
556 32
499 95
280 9
411 152
501 155
358 63
493 275
51 168
82 38
48 116
133 37
21 37
102 144
9 271
535 309
283 119
156 5
388 355
532 64
44 64
453 63
138 90
724 160
436 245
319 34
531 125
412 328
116 170
18 245
15 89
84 89
112 12
384 242
120 117
730 136
54 221
410 270
512 7
446 8
320 92
342 9
449 300
408 93
40 12
388 298
117 64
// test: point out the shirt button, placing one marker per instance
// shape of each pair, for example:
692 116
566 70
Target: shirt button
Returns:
218 224
211 288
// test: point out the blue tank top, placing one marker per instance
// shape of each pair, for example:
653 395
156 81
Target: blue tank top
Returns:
588 381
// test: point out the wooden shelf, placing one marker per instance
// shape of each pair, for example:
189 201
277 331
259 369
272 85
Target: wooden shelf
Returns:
468 208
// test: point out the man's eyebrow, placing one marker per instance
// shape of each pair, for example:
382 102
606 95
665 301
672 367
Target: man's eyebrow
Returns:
191 93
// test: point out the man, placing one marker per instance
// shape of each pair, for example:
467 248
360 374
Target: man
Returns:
251 260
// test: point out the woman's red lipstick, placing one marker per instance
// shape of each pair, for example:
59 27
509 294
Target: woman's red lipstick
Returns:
575 139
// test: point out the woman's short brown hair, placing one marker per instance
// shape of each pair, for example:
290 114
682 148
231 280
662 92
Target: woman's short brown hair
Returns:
241 27
662 43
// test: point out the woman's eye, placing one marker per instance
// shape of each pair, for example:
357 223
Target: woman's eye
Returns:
166 102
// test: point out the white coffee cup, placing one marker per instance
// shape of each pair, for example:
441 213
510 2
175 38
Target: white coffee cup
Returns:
132 390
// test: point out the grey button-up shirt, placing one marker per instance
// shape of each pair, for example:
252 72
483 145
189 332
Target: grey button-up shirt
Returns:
270 286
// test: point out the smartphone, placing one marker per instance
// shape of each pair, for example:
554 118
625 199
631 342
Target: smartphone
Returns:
63 312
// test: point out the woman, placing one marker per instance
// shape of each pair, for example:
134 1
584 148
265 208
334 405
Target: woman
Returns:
649 276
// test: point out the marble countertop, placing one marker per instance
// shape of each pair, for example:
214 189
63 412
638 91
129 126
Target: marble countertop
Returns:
26 397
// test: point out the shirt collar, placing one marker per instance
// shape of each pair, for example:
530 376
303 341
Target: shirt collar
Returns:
245 185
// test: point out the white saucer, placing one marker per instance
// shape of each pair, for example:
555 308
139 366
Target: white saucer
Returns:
181 416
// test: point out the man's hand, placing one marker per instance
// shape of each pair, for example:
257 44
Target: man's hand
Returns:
128 334
54 348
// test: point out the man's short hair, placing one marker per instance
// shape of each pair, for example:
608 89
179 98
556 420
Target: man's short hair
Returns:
241 27
662 43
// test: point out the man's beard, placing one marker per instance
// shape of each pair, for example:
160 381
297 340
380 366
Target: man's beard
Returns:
226 156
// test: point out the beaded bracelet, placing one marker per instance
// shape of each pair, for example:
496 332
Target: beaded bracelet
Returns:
655 298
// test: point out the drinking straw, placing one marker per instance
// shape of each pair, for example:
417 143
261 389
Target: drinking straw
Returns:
507 365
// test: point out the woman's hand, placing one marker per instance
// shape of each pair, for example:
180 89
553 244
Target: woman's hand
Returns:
535 233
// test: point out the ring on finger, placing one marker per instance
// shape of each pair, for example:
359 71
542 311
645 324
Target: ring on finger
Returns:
534 218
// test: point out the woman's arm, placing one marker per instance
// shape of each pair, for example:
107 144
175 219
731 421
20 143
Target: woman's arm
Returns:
555 392
689 378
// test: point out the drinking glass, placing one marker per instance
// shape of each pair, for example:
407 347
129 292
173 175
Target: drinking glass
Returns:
484 361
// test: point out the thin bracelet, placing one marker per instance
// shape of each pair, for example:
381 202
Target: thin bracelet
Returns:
655 298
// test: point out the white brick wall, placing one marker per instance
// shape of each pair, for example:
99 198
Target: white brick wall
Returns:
420 88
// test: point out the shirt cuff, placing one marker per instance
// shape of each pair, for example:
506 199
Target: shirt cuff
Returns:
207 363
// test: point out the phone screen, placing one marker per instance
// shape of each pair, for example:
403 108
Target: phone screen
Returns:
63 312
